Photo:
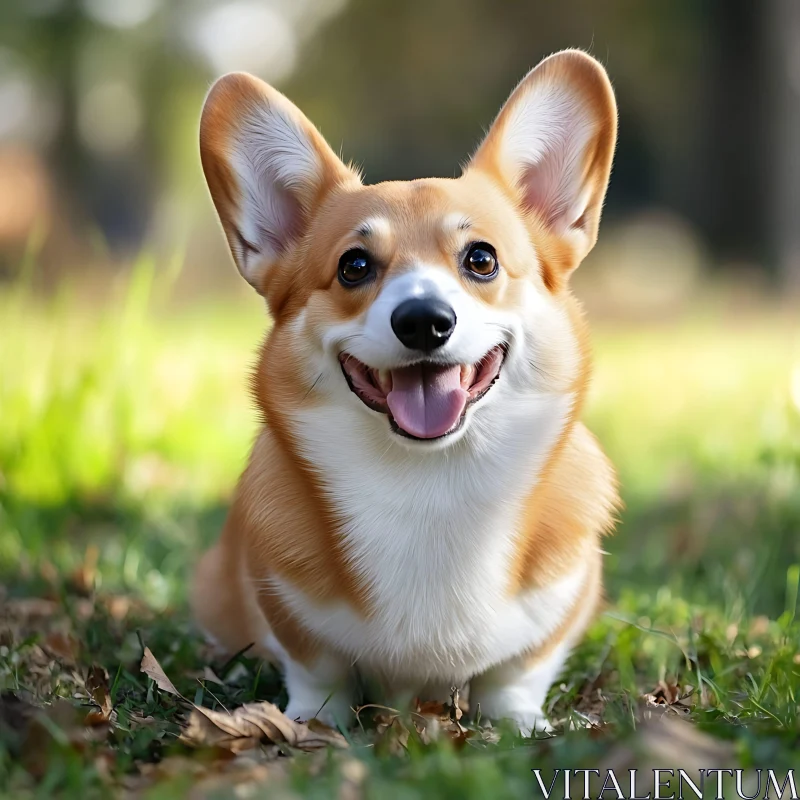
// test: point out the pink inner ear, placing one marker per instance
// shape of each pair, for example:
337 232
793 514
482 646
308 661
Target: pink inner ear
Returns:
285 219
548 186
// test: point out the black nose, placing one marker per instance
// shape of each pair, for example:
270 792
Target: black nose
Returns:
423 323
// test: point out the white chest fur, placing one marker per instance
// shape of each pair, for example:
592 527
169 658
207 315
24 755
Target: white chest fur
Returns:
432 534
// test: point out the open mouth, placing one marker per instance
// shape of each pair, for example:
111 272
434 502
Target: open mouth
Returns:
425 400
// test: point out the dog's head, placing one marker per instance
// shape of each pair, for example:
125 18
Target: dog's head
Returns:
422 302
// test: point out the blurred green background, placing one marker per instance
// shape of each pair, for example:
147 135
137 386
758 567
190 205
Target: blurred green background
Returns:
126 335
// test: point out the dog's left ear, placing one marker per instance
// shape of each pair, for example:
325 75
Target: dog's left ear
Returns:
552 145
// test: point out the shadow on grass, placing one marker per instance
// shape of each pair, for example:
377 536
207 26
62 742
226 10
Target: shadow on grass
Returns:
724 544
146 550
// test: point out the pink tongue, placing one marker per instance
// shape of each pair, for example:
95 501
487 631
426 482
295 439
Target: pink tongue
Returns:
426 400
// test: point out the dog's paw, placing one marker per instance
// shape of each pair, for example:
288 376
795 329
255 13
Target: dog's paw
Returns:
528 722
334 712
305 713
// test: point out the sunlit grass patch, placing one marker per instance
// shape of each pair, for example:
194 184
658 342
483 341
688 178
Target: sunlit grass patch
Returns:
123 399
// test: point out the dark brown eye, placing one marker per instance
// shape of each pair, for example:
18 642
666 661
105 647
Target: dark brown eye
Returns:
481 260
355 267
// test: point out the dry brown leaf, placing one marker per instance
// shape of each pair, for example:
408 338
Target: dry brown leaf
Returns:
664 694
252 724
392 734
83 577
590 701
136 718
433 718
458 733
95 719
430 727
211 676
97 686
670 697
153 669
31 730
61 645
30 608
432 708
454 707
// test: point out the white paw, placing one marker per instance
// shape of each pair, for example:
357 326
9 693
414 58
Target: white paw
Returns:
336 711
528 721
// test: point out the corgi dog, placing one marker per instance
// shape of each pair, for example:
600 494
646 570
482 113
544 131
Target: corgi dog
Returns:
422 507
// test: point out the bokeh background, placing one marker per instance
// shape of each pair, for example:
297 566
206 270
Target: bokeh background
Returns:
126 334
99 102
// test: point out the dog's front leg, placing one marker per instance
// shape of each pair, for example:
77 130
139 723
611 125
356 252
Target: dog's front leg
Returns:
323 689
517 689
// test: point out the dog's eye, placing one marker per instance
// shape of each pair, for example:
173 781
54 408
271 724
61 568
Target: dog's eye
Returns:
354 267
481 260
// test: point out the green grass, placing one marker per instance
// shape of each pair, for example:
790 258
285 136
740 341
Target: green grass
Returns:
124 423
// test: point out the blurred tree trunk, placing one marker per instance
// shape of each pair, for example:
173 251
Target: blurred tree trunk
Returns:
63 35
783 50
730 190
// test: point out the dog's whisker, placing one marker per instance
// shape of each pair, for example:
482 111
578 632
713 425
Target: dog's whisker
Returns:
313 386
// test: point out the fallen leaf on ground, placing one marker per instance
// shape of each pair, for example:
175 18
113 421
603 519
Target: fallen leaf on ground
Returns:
254 723
30 607
433 708
590 703
62 646
98 688
670 696
454 707
153 669
210 675
392 734
246 726
29 731
430 720
82 579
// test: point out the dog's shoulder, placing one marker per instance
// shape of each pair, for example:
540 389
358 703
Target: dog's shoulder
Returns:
573 504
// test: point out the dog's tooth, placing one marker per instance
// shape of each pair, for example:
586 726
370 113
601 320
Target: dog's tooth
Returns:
385 380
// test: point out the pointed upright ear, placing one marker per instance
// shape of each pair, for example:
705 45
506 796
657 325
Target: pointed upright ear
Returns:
267 168
552 145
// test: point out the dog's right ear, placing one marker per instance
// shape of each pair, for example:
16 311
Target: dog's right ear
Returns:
267 168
